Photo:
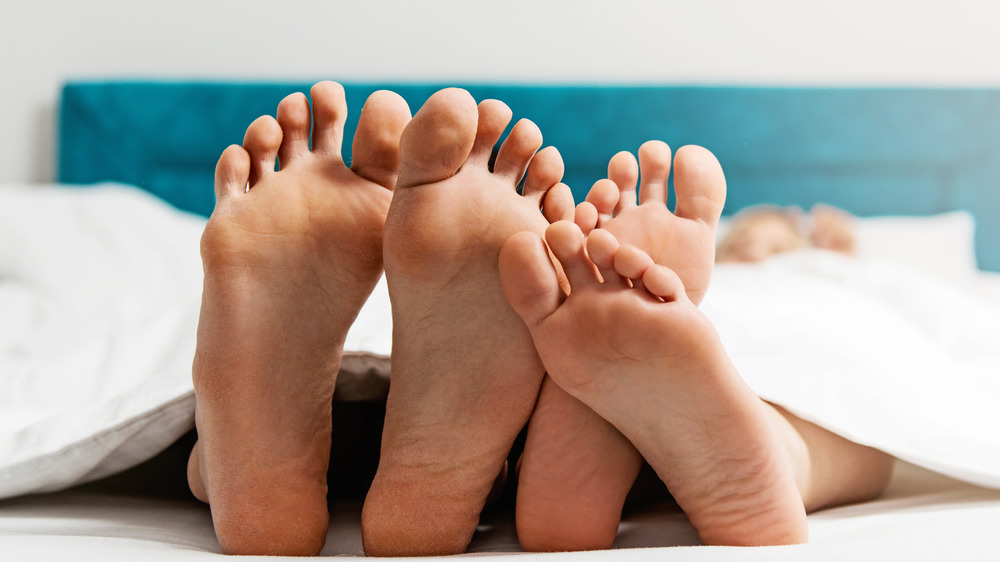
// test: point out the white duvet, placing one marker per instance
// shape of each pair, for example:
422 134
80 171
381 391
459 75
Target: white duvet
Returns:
99 296
881 355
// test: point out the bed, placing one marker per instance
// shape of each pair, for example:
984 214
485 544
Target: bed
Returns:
100 281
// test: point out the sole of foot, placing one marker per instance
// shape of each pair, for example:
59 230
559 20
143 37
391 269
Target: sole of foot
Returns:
465 375
290 257
630 344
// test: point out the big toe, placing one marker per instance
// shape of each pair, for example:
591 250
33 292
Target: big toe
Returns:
528 278
439 138
700 185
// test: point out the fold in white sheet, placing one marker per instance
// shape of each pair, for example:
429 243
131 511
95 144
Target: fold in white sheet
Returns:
100 289
881 355
99 293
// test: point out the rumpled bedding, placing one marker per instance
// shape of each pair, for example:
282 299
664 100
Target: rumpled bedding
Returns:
100 290
881 355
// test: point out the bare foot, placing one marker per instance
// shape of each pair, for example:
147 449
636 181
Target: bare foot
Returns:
577 469
759 232
573 476
642 356
832 229
288 265
683 240
465 374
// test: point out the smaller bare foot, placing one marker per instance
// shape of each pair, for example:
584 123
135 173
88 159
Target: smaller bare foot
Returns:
290 257
577 469
630 344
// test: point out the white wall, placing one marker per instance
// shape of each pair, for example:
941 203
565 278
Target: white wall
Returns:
849 42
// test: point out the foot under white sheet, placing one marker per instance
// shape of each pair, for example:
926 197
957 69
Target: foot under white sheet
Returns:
101 287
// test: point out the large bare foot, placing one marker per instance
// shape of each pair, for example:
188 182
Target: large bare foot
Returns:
577 469
288 264
465 374
640 354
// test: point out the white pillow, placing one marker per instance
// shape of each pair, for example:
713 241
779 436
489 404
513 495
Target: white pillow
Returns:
941 245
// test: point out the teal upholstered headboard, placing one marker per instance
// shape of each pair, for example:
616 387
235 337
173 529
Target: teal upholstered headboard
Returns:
870 151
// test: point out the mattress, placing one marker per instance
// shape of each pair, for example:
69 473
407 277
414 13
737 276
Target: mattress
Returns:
920 516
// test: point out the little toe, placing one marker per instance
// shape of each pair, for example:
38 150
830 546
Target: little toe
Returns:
494 116
545 171
232 173
567 244
528 278
516 151
376 142
439 138
329 115
294 119
602 247
654 168
662 282
262 140
700 185
624 171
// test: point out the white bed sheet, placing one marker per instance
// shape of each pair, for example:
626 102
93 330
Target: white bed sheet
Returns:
882 355
921 516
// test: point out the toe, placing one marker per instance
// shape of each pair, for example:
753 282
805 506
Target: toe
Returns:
262 140
654 168
439 138
516 151
632 262
567 244
528 278
375 152
545 171
700 185
585 217
624 171
604 195
602 247
330 113
557 204
494 116
294 119
232 172
662 282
